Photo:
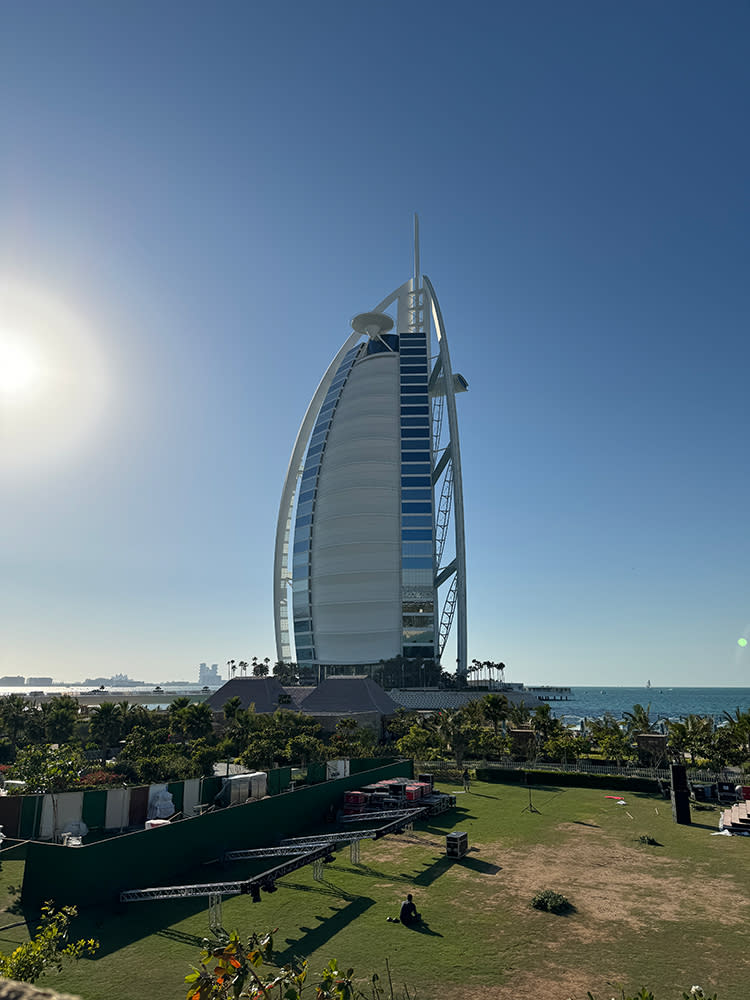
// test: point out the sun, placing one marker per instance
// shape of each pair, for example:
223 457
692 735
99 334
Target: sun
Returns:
20 369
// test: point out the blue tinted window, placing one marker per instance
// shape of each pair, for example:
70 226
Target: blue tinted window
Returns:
417 562
319 436
416 481
412 494
314 449
413 380
302 546
420 370
414 352
415 421
416 508
416 521
307 495
417 549
415 432
299 586
305 654
302 521
414 451
413 394
304 508
302 626
416 534
415 468
416 410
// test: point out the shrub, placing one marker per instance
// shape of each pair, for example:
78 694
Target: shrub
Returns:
552 902
100 777
646 839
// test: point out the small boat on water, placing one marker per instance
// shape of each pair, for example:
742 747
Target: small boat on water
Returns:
648 684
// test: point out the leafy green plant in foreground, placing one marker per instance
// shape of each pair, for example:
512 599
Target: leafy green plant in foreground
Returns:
48 949
233 971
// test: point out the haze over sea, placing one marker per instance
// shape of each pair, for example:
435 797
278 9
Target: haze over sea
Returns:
665 702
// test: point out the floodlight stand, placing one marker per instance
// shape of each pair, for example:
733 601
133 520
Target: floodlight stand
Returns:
530 807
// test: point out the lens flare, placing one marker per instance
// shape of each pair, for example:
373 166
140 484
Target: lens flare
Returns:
54 385
742 642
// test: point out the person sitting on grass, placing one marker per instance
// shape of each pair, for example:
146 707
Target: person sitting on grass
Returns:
408 914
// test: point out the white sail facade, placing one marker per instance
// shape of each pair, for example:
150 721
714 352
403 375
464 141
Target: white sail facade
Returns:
372 491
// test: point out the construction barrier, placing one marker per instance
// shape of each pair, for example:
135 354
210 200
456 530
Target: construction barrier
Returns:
98 872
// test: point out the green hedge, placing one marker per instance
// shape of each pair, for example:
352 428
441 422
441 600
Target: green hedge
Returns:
579 779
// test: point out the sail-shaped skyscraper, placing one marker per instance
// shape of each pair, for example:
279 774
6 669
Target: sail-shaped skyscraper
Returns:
370 556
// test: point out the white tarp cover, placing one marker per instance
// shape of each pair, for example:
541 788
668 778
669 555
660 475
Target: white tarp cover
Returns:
337 769
191 796
160 803
118 809
58 811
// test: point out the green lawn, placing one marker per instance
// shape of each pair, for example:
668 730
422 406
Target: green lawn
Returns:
668 916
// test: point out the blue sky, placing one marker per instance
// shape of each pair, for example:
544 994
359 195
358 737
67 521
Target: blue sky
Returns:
195 200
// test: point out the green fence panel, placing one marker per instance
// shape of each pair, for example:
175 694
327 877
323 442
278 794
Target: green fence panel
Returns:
285 778
94 808
359 764
316 772
10 814
98 872
177 791
273 785
31 816
210 788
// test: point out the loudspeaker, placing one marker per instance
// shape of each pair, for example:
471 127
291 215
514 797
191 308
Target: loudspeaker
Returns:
679 777
681 806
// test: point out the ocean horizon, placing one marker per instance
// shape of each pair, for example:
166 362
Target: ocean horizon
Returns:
665 702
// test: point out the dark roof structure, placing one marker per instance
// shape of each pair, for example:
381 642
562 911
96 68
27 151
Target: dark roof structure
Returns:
266 693
348 696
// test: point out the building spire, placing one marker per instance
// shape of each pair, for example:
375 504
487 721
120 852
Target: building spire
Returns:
417 274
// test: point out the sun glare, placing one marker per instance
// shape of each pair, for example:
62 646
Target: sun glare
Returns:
54 386
20 371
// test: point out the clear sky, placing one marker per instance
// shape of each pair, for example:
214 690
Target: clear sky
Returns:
194 201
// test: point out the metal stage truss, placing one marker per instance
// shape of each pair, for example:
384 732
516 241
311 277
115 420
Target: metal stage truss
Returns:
236 887
412 814
301 851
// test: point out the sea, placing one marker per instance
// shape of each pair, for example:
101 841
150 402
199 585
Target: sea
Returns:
665 702
582 703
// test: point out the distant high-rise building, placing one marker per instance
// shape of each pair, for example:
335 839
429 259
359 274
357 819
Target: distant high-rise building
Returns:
374 484
209 675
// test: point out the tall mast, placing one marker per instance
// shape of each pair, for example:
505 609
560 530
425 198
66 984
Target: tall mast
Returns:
416 252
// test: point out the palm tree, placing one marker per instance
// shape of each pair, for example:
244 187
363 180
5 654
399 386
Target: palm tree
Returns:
495 709
232 667
259 669
639 720
243 668
739 726
105 726
518 714
13 709
231 707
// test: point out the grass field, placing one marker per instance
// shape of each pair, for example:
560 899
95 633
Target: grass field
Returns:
668 917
